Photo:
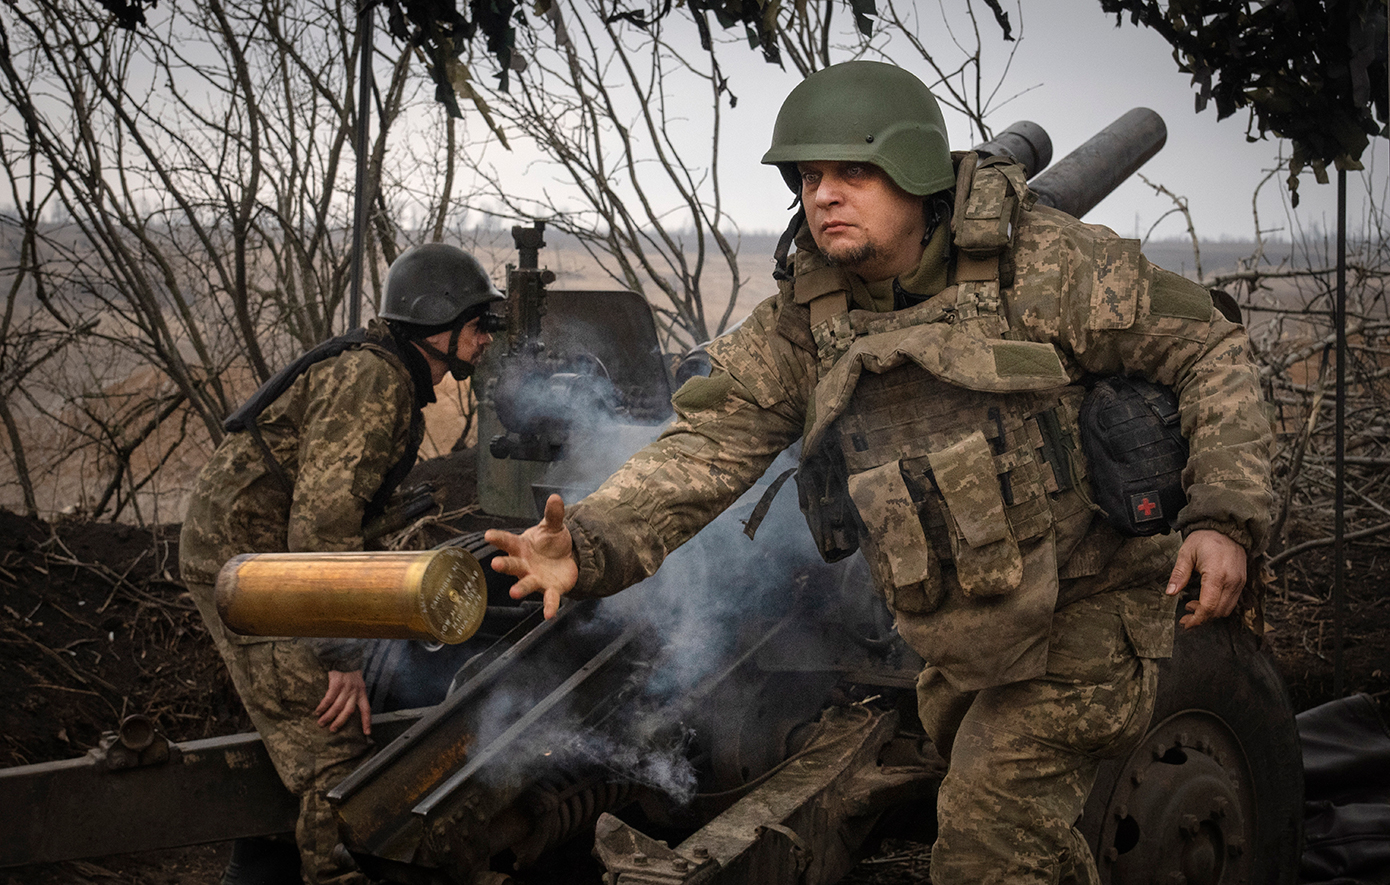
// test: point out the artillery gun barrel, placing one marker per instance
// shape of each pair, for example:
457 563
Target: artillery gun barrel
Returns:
503 763
1024 142
1088 174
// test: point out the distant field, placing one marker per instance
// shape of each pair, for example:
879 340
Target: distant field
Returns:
68 472
577 270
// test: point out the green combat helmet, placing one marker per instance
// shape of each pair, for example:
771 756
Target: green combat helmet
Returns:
433 285
864 111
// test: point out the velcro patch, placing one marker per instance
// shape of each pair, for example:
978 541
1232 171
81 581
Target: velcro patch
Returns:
1146 506
1119 284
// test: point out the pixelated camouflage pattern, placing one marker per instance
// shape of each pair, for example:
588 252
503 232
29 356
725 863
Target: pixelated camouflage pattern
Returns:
280 683
1087 296
911 394
1123 315
1023 752
986 555
1024 756
1062 295
337 432
896 544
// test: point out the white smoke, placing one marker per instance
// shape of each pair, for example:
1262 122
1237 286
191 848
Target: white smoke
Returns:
692 610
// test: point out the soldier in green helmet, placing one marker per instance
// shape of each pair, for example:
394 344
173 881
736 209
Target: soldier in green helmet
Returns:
311 458
928 346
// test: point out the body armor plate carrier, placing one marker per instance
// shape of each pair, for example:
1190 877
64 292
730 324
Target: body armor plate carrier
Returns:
949 453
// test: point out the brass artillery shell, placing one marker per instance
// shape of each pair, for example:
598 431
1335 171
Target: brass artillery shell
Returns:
436 595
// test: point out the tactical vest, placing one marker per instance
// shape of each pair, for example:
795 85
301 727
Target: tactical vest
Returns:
244 418
948 453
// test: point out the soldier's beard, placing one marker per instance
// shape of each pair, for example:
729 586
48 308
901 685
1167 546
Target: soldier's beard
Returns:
851 256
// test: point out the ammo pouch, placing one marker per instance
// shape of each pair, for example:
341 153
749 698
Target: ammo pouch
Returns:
820 489
1132 438
943 460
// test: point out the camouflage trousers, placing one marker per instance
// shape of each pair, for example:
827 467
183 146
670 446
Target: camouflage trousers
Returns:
280 683
1023 756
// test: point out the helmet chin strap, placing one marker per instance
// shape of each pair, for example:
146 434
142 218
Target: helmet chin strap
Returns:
782 271
459 368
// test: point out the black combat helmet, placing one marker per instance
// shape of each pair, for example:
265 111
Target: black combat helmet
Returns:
869 112
435 288
434 285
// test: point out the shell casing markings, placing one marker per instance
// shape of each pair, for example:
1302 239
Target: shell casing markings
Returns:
455 608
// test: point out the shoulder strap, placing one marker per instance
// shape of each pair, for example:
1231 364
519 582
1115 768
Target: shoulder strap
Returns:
989 196
244 418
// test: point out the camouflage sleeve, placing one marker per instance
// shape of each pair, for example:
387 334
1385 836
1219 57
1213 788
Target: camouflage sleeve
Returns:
1127 316
729 427
356 419
344 655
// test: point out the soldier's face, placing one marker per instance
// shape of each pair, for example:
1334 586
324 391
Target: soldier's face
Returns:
472 342
861 220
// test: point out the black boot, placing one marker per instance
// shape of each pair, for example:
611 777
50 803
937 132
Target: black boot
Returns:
259 861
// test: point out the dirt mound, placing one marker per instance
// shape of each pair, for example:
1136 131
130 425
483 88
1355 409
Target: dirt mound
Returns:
95 626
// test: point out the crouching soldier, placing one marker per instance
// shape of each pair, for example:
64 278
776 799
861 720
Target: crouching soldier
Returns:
313 457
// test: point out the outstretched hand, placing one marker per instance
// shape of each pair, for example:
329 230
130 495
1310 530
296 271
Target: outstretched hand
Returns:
346 695
540 558
1221 563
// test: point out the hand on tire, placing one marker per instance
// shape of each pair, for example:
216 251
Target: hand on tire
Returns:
1221 564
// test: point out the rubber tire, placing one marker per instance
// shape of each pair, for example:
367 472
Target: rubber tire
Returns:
1218 678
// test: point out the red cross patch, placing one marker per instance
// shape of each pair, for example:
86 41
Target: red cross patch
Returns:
1145 506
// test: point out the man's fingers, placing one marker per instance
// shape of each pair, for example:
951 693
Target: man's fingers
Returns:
505 541
343 716
1217 598
346 696
1197 614
539 558
330 697
524 587
554 518
330 715
552 603
1182 572
366 711
507 565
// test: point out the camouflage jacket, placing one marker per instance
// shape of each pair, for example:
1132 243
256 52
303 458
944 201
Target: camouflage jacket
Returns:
337 432
1079 288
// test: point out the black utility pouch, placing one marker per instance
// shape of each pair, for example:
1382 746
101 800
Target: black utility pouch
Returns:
1132 438
822 486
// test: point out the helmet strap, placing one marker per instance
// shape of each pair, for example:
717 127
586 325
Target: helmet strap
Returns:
459 368
937 210
784 245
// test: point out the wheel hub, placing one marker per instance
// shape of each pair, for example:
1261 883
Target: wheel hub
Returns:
1183 810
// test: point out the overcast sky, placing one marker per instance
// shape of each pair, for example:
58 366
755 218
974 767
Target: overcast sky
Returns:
1078 73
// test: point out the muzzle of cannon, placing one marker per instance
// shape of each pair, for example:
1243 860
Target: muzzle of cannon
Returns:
1088 174
571 355
438 595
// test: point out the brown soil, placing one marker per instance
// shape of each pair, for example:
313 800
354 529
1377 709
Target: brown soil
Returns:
94 626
